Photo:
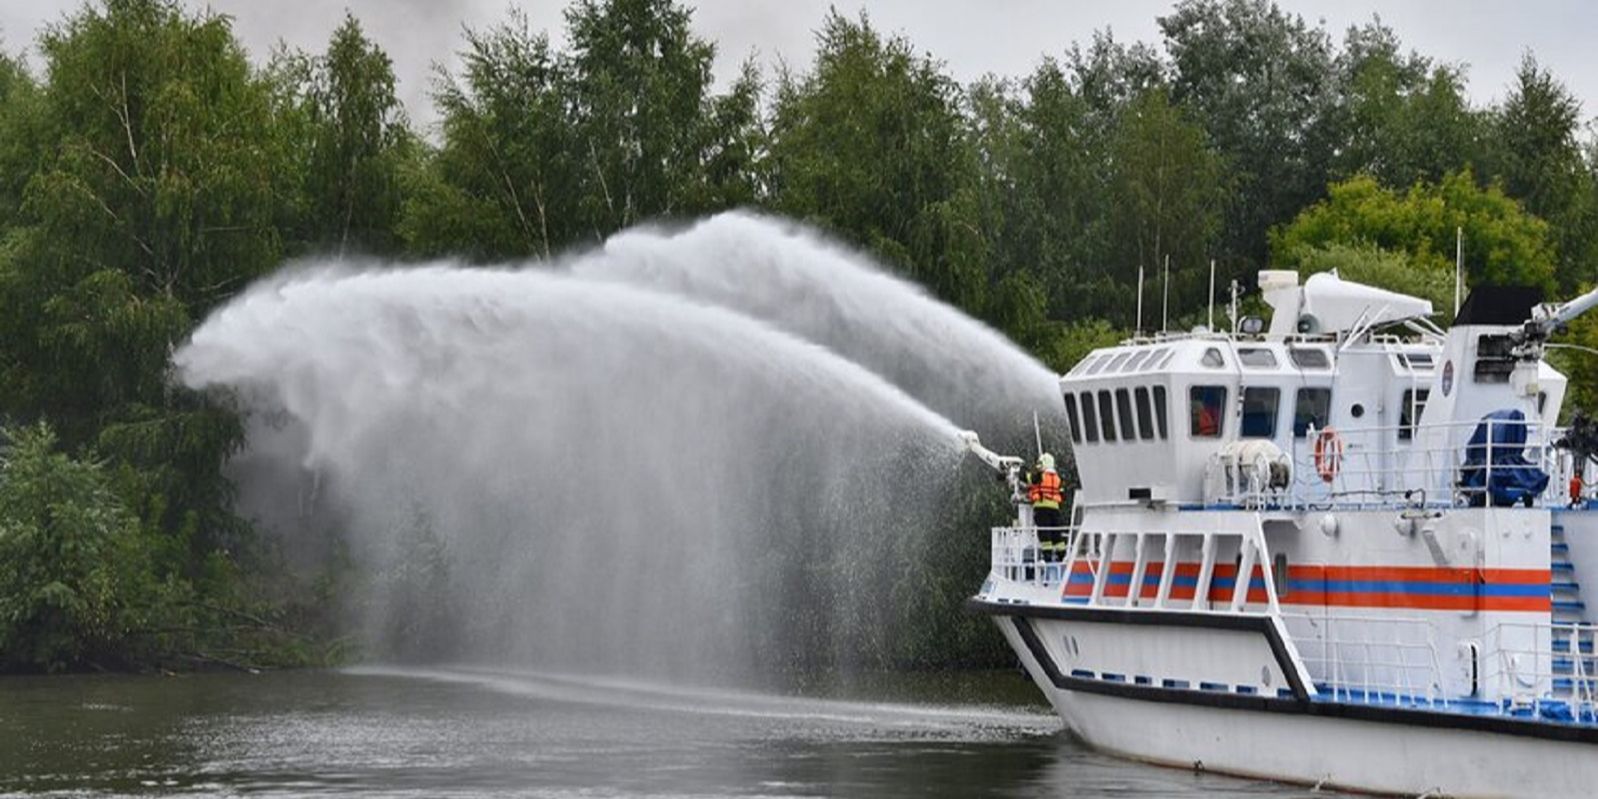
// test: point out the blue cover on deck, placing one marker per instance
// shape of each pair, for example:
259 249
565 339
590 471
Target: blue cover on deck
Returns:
1512 478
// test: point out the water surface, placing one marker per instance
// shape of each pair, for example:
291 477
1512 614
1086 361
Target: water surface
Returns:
477 732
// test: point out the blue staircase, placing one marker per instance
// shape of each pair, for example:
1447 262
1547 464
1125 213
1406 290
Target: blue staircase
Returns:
1568 608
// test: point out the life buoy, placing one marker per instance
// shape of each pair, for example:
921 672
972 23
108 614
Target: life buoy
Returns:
1328 454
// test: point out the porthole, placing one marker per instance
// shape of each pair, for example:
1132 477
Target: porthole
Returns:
1265 676
1357 411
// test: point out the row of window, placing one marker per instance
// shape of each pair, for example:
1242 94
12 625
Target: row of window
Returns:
1140 413
1100 411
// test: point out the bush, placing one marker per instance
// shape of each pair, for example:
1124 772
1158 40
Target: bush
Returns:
77 587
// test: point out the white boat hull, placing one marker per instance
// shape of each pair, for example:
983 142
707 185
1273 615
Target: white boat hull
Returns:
1384 757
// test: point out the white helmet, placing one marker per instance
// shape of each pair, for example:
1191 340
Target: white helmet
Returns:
1047 462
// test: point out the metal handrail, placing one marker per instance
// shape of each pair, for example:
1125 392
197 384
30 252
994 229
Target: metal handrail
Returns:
1372 474
1369 659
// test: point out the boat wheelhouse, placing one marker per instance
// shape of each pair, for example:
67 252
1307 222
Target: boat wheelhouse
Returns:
1334 551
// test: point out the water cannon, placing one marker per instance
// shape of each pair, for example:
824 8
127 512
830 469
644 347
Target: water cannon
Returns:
1548 319
1008 466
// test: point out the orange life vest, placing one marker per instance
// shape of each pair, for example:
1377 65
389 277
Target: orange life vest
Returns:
1046 492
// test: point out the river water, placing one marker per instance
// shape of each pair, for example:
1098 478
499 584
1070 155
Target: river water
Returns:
477 732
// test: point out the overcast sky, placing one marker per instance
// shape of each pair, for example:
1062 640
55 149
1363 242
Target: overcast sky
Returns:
1005 37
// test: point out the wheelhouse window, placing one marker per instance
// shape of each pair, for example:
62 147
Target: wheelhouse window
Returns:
1123 403
1145 414
1161 357
1259 411
1115 363
1090 418
1159 410
1206 411
1312 407
1106 416
1309 358
1409 411
1071 418
1256 358
1082 365
1213 358
1137 359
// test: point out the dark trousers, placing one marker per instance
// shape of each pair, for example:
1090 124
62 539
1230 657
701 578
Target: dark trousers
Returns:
1049 539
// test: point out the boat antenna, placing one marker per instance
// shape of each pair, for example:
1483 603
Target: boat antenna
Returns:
1165 304
1137 329
1212 295
1459 265
1236 290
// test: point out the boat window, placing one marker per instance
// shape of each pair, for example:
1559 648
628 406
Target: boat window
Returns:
1310 358
1206 406
1082 365
1090 418
1098 365
1071 418
1259 411
1106 416
1159 410
1416 361
1123 403
1409 411
1142 355
1494 361
1212 358
1115 363
1542 402
1279 574
1145 415
1312 406
1256 358
1165 354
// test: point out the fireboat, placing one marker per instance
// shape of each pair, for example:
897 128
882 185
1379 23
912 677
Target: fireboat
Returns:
1348 549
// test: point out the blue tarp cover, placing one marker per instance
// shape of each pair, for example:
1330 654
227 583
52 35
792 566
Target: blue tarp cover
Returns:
1513 478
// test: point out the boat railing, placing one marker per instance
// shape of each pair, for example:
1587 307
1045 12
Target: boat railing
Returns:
1548 668
1370 660
1017 554
1398 466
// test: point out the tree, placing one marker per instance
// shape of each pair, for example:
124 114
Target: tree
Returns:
1540 163
543 149
1260 82
76 582
1167 191
1405 119
1502 243
353 142
871 144
158 199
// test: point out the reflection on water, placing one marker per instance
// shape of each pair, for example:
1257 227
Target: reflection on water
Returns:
473 732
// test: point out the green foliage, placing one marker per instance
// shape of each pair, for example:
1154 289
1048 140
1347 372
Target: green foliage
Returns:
1502 243
1260 81
1167 196
544 149
1539 161
1406 119
871 144
349 135
77 583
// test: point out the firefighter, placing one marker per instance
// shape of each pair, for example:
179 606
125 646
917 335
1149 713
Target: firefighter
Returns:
1046 494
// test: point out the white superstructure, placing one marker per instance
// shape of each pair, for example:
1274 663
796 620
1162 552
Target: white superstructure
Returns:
1338 551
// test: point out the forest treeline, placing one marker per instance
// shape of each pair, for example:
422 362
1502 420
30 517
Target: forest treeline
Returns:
150 169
